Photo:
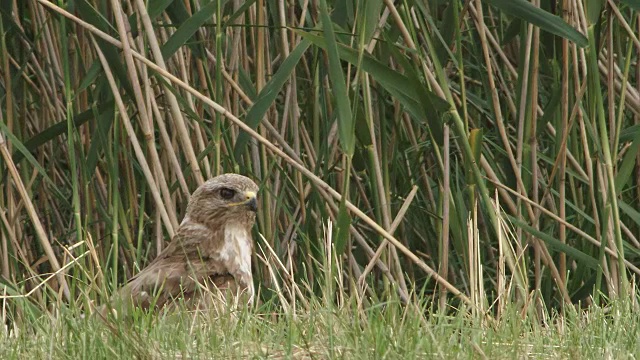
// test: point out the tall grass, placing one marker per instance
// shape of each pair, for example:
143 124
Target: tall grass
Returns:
480 153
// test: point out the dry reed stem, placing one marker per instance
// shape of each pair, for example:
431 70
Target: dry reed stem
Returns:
31 211
446 213
155 193
176 113
144 119
382 193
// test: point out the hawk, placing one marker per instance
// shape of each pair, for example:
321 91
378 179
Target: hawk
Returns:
211 248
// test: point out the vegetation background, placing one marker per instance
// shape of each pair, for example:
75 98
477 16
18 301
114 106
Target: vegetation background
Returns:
458 178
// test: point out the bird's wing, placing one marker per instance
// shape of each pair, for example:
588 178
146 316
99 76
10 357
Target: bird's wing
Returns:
175 272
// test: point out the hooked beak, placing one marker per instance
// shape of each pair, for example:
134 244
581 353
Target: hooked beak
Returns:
251 201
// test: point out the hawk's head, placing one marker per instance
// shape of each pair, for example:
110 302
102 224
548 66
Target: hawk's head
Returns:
222 199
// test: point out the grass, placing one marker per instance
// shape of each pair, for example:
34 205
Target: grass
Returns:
387 330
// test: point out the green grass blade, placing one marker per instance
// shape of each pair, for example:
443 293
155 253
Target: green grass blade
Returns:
32 160
269 94
188 29
548 22
346 128
156 7
634 4
59 128
556 244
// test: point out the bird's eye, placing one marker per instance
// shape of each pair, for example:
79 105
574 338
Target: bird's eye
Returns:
227 193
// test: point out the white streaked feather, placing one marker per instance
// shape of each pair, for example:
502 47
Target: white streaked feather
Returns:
236 255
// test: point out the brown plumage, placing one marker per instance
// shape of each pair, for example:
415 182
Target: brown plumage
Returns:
211 249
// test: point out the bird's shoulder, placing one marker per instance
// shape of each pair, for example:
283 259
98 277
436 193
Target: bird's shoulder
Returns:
193 237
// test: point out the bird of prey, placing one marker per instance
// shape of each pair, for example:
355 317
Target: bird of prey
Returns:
211 249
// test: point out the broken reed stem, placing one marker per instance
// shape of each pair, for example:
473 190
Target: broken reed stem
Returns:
392 229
